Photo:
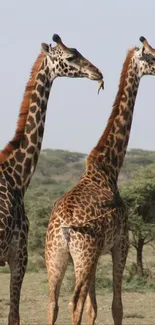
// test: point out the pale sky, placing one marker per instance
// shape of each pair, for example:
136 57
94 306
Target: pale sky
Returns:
102 31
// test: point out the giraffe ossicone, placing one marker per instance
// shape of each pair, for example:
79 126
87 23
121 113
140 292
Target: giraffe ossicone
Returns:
56 38
93 209
19 157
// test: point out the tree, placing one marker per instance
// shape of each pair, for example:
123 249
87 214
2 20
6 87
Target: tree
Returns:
139 196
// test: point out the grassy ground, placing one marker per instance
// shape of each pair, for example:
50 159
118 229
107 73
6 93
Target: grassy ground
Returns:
139 307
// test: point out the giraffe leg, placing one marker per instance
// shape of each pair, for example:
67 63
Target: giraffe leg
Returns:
84 270
119 255
56 263
17 262
91 303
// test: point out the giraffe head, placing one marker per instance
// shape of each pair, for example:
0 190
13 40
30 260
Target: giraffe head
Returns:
68 62
146 57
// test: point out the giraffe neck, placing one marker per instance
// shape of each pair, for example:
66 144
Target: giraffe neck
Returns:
110 150
23 150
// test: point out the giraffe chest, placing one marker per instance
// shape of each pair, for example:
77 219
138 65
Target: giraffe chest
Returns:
13 220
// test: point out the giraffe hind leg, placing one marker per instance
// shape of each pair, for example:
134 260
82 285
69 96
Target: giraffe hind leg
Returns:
78 299
84 268
17 261
56 263
91 303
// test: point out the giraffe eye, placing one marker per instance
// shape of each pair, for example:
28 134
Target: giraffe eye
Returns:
71 58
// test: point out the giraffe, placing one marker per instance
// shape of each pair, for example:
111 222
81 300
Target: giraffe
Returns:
91 218
19 157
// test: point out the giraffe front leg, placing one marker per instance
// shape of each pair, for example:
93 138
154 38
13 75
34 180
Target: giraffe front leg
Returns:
17 261
119 255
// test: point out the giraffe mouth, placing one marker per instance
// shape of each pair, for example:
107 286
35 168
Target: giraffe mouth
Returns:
96 75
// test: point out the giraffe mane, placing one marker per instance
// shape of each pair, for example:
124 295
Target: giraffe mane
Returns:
116 102
24 109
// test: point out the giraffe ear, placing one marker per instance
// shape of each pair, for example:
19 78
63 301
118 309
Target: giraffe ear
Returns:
45 47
